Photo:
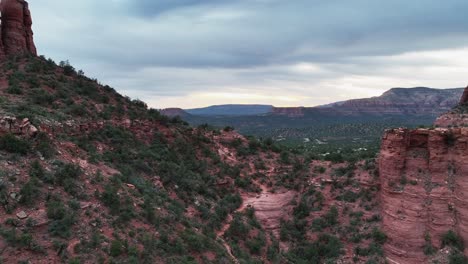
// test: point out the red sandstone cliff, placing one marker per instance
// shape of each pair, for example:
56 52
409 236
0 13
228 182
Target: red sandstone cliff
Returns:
424 187
16 32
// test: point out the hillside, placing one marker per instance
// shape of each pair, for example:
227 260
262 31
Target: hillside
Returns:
90 176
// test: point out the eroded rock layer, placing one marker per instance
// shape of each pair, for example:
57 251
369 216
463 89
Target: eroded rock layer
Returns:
16 28
424 177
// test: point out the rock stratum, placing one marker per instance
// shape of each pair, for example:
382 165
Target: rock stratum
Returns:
16 28
424 187
396 101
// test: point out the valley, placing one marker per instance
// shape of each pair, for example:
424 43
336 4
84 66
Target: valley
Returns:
88 175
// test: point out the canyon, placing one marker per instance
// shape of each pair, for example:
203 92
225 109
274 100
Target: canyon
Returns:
88 175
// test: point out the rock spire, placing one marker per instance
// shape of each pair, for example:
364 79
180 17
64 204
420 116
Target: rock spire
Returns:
16 35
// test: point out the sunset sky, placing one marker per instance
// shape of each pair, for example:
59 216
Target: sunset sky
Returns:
193 53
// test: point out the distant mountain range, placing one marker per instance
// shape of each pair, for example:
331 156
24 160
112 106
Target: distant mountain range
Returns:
357 119
231 110
396 101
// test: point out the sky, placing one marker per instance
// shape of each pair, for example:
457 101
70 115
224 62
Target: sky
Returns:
195 53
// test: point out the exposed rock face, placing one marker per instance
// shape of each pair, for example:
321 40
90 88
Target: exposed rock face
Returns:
16 31
424 189
271 209
425 185
464 98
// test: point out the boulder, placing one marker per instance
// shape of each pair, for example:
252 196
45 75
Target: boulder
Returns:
22 215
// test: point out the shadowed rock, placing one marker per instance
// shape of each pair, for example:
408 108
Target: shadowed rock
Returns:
464 98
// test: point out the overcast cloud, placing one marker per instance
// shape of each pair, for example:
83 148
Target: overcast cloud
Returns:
189 53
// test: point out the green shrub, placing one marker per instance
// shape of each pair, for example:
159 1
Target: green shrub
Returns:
67 68
332 216
453 239
29 192
14 89
326 247
318 224
56 210
256 244
379 236
37 171
62 218
13 144
457 258
23 240
45 145
67 171
237 229
41 97
110 198
116 248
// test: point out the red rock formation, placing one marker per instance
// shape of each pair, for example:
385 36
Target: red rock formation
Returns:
435 162
16 31
423 189
23 127
464 98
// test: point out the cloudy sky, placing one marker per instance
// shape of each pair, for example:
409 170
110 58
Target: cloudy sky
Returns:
191 53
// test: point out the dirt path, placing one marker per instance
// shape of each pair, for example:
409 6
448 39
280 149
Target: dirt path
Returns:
222 231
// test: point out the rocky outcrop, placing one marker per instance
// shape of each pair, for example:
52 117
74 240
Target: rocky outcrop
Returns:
424 189
16 28
13 125
425 185
271 209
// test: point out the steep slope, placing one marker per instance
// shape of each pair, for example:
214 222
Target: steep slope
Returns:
424 182
90 176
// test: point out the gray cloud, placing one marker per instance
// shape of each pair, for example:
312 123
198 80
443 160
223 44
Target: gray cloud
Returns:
249 41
